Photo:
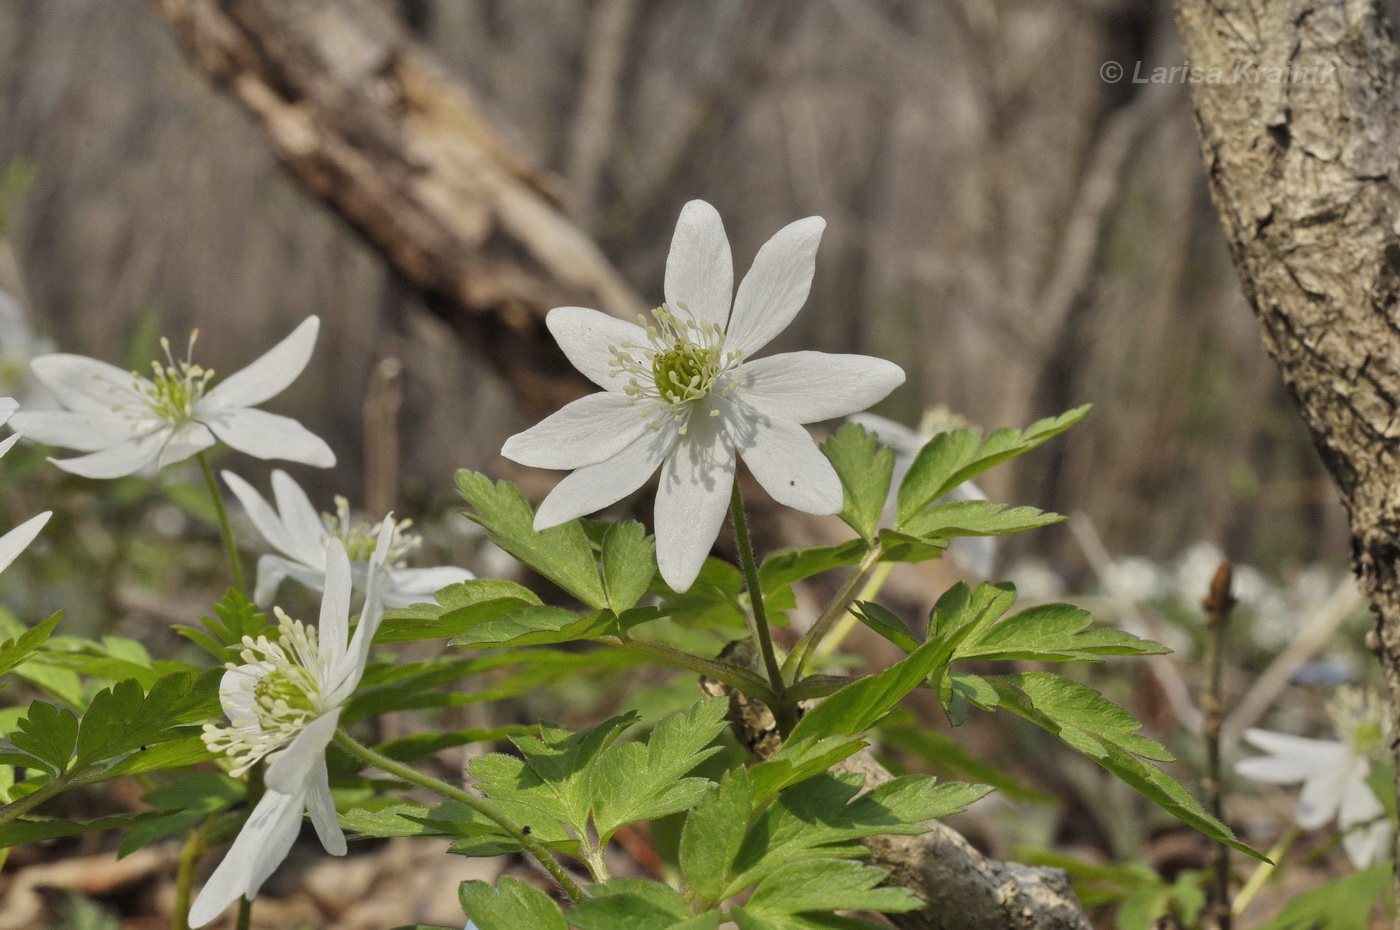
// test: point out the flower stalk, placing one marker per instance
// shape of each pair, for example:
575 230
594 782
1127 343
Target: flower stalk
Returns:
235 565
759 612
807 646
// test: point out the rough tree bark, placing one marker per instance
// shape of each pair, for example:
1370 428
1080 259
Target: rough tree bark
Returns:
368 121
1301 139
365 117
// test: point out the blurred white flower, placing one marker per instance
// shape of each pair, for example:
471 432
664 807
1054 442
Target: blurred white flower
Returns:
681 395
129 423
19 345
301 534
1035 580
1135 579
974 554
283 704
18 539
1333 774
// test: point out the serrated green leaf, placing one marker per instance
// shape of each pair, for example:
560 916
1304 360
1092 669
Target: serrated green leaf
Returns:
183 803
828 885
629 564
975 518
714 832
856 708
713 601
535 626
13 652
33 831
631 904
633 782
949 459
1054 633
562 553
234 618
49 735
1342 904
785 566
422 745
124 718
865 468
949 755
459 607
886 623
177 753
798 760
514 906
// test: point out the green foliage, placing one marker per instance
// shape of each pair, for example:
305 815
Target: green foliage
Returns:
459 608
182 803
512 905
632 904
1344 904
234 618
14 652
866 468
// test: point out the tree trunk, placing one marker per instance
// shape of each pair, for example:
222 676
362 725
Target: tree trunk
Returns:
1299 135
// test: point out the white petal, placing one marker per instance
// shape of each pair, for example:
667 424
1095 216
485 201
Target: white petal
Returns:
185 440
87 385
321 807
272 373
900 438
691 502
585 432
1366 830
236 693
292 768
86 432
1286 743
787 463
8 405
699 268
587 337
126 458
408 586
597 486
18 539
268 523
335 610
9 443
805 387
1291 758
266 435
260 847
371 614
272 571
776 286
307 531
1322 794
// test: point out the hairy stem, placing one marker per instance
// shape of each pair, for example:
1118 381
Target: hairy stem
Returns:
235 566
760 612
481 805
848 620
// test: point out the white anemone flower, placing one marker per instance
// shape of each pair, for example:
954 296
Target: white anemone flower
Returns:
18 539
128 423
680 394
283 704
975 554
1333 774
300 534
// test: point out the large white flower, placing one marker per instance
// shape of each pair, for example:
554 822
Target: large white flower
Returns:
680 394
129 423
283 704
976 554
301 534
1333 774
18 539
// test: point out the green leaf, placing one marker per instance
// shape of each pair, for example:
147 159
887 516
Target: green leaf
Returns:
562 553
713 601
949 755
1054 633
13 652
856 708
514 906
459 607
828 885
234 618
1343 904
865 468
634 782
949 459
714 832
633 904
183 803
177 753
975 518
422 745
886 623
629 564
124 719
21 832
1095 726
533 626
49 735
797 761
786 566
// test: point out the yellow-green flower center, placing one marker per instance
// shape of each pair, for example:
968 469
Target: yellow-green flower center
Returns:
175 387
1360 720
360 536
682 362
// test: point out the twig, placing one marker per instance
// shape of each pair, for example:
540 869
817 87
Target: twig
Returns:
1217 603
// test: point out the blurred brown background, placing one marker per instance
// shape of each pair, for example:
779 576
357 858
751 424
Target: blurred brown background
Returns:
1020 234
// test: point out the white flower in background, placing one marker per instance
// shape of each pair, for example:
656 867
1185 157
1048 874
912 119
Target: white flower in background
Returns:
283 704
18 539
301 534
1333 774
18 346
129 423
974 554
681 395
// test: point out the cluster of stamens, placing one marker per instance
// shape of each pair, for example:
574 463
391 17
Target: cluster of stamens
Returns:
360 536
176 386
285 694
1360 720
681 363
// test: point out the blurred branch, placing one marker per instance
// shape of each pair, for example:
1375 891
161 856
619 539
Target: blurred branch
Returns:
370 123
595 121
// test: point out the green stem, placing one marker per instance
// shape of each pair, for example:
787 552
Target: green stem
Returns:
1264 871
245 914
21 806
848 620
190 854
807 646
739 678
481 805
760 612
225 528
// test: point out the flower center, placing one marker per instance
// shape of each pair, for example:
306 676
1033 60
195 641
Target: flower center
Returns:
175 387
680 364
280 691
1360 720
360 536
